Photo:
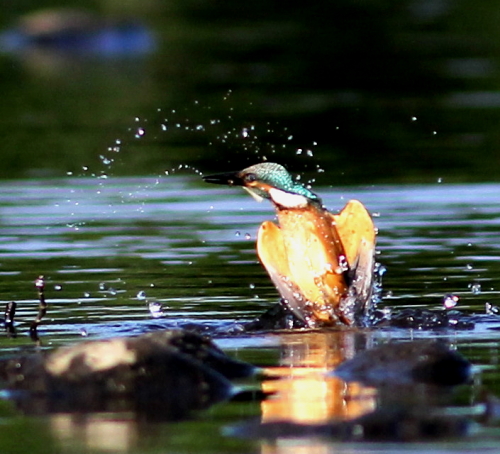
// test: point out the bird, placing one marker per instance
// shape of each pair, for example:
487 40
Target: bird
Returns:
322 264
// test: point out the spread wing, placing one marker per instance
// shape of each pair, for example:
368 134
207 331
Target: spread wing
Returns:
357 233
272 253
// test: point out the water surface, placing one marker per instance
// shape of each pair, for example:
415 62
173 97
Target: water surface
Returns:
110 247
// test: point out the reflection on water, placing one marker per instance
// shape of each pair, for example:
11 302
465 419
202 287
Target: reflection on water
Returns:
109 248
303 390
101 432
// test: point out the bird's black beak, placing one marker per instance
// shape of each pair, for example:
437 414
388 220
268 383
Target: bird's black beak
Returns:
229 178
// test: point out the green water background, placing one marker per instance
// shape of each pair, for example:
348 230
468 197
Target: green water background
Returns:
377 90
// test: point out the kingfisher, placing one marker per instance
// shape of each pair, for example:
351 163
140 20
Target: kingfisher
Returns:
322 264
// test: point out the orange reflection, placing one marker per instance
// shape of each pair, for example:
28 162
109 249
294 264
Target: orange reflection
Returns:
302 390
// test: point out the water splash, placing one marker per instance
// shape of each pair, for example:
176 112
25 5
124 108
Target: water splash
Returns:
141 295
450 301
475 288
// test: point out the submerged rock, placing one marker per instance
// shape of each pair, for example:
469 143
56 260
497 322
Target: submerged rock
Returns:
403 363
164 374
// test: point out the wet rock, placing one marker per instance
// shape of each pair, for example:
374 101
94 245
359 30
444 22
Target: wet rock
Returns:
403 363
386 425
164 374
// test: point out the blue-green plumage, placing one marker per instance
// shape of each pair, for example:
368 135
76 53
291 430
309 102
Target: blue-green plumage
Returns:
268 174
277 176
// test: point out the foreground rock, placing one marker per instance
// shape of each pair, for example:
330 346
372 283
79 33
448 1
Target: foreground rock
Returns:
164 374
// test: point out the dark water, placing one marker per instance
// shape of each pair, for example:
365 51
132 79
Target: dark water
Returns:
394 104
380 92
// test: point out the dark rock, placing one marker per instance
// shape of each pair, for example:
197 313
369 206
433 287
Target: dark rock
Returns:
430 362
165 375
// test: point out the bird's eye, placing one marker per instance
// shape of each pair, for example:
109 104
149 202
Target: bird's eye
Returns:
250 178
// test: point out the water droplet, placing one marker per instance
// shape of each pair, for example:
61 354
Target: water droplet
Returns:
380 270
106 161
434 133
491 309
413 118
309 153
252 286
450 301
155 309
164 127
343 265
290 137
299 151
40 283
475 289
86 294
468 267
141 295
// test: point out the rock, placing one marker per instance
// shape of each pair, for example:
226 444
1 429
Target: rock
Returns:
403 363
165 374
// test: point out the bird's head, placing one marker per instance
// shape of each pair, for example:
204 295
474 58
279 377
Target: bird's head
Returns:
268 180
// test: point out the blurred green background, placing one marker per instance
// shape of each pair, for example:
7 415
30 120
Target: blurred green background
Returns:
376 91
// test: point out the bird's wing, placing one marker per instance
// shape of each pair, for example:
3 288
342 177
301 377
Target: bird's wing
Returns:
357 233
272 254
